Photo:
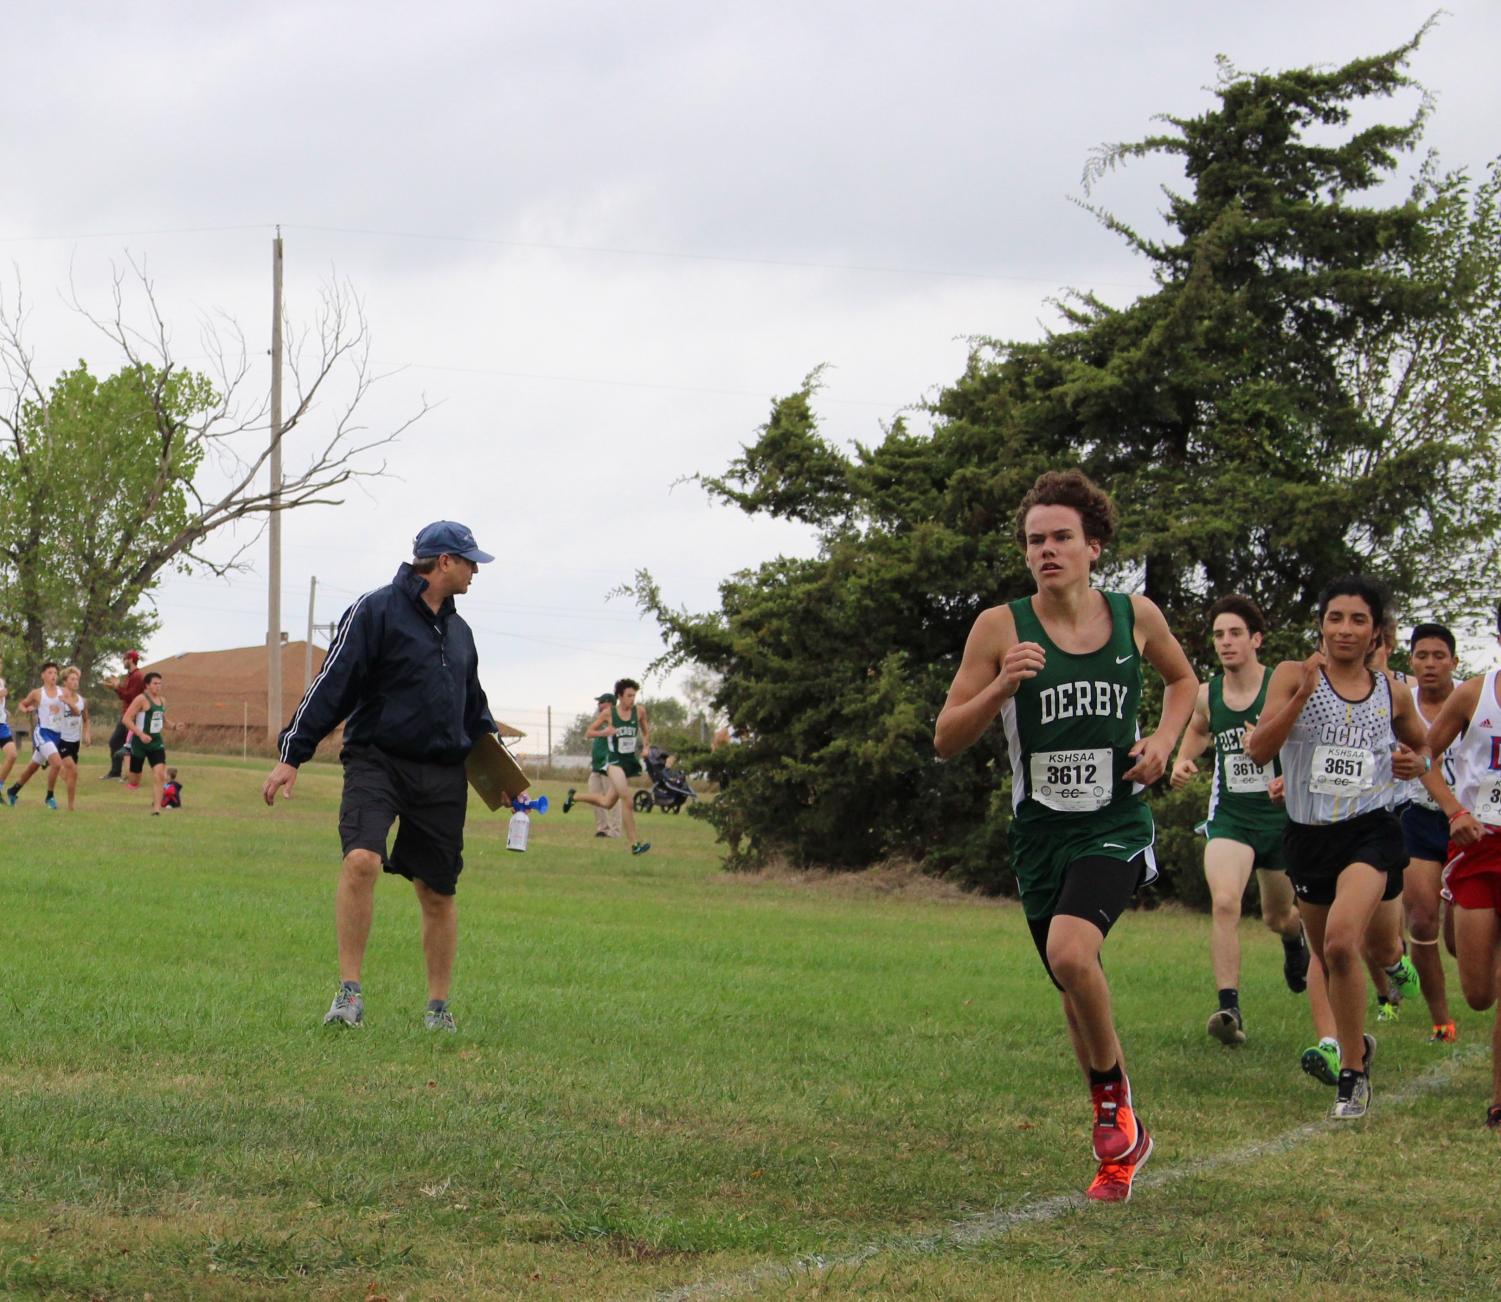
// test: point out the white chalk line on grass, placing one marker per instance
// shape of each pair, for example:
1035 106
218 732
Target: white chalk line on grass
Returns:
990 1226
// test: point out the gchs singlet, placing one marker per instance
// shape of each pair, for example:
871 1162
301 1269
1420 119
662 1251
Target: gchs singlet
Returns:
1337 760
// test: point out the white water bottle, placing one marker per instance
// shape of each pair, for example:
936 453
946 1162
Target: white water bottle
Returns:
517 831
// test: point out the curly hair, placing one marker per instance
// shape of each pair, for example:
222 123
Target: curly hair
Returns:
1076 489
1235 604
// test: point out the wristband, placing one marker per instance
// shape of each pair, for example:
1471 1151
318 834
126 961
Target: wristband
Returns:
1458 813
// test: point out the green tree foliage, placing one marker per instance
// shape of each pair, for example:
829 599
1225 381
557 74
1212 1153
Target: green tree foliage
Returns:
95 497
1310 389
573 741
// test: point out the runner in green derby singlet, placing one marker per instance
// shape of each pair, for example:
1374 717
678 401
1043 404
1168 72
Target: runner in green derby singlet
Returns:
1245 825
1063 670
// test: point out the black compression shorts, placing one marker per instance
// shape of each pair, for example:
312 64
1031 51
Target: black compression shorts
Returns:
1098 889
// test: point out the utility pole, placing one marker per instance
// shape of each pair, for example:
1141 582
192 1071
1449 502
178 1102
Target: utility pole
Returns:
307 658
273 604
549 736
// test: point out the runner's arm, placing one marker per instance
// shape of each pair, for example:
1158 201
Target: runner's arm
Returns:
1195 739
1412 736
983 684
645 729
1180 692
1291 686
1452 719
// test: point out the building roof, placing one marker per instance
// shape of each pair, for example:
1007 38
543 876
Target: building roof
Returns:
227 689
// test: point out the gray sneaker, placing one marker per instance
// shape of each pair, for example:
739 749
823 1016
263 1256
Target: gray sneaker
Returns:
347 1009
1354 1097
438 1019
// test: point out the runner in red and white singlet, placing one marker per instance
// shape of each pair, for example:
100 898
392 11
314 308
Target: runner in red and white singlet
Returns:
1472 877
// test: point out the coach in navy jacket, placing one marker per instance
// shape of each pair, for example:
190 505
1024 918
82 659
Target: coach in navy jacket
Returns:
403 672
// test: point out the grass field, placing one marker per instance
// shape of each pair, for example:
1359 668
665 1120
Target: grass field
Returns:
664 1076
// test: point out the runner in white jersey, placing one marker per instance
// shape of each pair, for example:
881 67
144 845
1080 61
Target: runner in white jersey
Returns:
1472 877
1336 723
46 702
1426 830
73 730
7 738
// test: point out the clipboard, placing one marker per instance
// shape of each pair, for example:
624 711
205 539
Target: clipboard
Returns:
493 772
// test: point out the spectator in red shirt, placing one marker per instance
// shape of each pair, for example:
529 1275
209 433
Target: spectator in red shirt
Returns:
127 689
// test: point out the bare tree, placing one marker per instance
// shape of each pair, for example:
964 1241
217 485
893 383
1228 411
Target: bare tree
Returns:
114 482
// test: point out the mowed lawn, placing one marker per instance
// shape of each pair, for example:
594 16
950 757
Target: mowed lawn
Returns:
663 1076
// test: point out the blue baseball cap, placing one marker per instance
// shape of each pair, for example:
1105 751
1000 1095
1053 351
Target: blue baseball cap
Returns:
445 536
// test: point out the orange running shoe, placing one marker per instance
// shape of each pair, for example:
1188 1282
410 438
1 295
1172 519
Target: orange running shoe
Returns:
1112 1182
1444 1033
1115 1128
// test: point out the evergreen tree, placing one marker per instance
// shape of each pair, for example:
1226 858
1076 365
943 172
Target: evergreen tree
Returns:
1311 388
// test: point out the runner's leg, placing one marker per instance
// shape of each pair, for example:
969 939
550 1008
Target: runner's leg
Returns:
1420 901
1343 930
1478 932
9 751
1381 947
1074 957
1318 1000
1279 906
598 785
622 790
1227 869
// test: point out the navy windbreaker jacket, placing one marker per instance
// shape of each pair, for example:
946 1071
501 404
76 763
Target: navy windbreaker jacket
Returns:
406 679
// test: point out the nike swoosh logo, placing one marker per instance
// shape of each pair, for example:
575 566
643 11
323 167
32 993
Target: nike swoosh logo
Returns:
1112 845
1120 660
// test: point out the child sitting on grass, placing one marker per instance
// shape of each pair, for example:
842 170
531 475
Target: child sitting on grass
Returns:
172 791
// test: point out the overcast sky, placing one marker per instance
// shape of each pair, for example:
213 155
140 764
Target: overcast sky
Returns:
603 237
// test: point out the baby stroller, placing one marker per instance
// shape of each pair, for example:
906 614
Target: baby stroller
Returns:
669 788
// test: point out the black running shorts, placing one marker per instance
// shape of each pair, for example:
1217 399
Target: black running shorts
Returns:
1318 852
69 749
428 799
1097 889
156 755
